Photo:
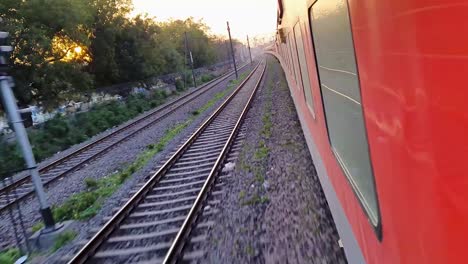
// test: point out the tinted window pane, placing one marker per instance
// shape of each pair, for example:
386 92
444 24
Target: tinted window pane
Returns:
292 45
337 69
303 67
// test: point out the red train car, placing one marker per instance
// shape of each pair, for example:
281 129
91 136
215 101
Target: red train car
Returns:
380 88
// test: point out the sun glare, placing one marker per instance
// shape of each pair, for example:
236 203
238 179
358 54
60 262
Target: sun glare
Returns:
78 50
67 50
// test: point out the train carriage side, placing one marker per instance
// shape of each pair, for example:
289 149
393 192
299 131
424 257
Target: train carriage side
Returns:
379 88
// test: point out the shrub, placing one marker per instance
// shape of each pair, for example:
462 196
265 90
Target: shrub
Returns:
10 159
9 256
74 206
63 239
179 84
91 183
36 227
207 77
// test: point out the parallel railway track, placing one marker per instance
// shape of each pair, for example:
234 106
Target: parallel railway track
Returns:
21 188
155 223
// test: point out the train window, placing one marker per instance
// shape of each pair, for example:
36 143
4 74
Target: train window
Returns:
339 82
285 53
291 52
288 54
295 59
304 72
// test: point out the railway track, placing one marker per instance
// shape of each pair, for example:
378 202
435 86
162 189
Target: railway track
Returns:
155 223
21 188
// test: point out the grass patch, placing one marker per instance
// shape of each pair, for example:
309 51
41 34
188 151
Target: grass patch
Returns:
9 256
259 176
249 250
91 183
241 195
267 125
207 77
212 101
256 199
84 205
170 134
36 227
262 151
220 95
63 239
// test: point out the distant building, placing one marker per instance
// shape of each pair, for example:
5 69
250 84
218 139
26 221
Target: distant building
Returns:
4 125
35 115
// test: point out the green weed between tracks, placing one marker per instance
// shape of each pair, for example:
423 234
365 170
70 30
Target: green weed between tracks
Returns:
262 149
258 165
223 93
86 204
63 239
256 199
9 256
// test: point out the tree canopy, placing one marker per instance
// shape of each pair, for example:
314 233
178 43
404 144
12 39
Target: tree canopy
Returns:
64 48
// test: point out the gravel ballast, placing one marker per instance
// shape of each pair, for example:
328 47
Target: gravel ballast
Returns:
114 160
274 210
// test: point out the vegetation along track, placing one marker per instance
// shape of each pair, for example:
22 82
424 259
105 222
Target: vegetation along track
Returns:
22 187
153 225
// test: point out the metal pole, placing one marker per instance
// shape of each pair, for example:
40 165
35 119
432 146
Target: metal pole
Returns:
250 54
232 50
227 49
191 61
9 104
193 71
185 60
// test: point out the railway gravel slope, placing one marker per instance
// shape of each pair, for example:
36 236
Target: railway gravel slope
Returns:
273 210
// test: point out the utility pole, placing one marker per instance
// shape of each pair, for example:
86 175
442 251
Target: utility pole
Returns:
250 54
191 60
9 104
227 49
185 60
232 50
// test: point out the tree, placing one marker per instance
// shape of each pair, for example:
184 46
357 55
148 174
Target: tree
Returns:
199 42
50 39
64 48
109 16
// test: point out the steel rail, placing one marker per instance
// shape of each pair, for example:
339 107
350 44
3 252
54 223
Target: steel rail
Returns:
177 245
23 180
90 248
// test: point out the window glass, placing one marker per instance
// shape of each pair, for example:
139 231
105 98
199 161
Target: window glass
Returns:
295 59
289 56
292 52
304 72
339 81
286 55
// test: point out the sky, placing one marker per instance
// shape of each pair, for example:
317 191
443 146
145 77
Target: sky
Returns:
246 17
